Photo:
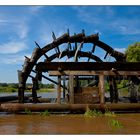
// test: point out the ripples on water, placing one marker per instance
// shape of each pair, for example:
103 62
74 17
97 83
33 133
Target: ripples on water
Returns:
67 124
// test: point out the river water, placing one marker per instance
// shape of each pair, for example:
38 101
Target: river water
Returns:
68 124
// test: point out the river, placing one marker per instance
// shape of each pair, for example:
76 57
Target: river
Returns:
68 124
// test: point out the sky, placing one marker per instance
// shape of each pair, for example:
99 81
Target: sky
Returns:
20 26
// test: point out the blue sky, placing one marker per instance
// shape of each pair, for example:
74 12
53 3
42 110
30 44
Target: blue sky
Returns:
20 26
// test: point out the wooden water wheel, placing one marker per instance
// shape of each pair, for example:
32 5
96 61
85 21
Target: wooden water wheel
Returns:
76 47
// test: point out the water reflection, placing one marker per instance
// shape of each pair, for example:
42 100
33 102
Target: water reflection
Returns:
67 124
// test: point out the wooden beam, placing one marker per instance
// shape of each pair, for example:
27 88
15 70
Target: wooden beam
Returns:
64 85
93 49
89 73
34 90
71 88
82 66
101 89
77 49
59 90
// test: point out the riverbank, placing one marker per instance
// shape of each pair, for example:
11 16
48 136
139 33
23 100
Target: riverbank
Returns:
13 87
13 90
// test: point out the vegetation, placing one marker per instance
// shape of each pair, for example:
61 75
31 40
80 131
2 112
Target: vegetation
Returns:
109 113
92 113
13 87
133 52
115 123
28 111
45 113
121 85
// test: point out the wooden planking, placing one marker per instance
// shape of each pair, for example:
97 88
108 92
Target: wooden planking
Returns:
68 72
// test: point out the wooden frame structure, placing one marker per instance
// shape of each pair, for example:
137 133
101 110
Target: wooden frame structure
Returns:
101 69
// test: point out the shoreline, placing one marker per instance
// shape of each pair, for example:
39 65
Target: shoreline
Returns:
43 90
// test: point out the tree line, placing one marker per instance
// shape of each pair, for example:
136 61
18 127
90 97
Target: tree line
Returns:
13 87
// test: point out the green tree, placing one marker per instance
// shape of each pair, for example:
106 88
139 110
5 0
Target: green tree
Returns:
133 52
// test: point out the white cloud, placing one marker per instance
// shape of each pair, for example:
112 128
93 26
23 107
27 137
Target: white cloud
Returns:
14 26
108 19
12 47
22 30
35 9
14 59
3 21
124 29
93 14
120 49
46 37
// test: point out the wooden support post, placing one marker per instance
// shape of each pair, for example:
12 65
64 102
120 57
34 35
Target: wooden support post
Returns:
115 90
101 89
77 81
21 87
64 86
133 92
34 88
21 94
111 88
59 90
71 88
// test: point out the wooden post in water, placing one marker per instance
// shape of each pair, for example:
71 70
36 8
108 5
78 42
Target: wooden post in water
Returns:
71 88
101 89
115 91
21 94
59 90
21 87
111 88
34 88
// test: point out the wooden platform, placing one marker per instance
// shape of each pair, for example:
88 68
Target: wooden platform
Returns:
18 107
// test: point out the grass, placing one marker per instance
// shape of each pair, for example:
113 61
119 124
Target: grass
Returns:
8 89
12 89
28 111
45 113
115 124
46 90
109 113
92 113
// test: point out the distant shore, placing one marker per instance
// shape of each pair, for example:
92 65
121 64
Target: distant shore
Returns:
13 87
12 90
